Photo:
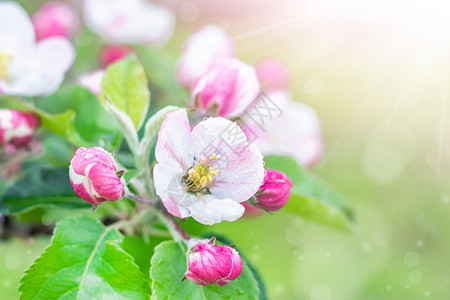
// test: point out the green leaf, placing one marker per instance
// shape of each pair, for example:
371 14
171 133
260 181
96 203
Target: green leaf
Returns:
168 266
125 86
41 187
84 261
91 120
311 198
151 130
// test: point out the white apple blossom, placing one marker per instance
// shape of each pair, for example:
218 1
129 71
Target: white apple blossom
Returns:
28 68
207 172
130 21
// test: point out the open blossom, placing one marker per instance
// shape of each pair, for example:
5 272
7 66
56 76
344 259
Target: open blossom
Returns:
275 191
93 175
226 89
28 68
295 133
273 74
204 173
131 21
111 53
17 128
56 18
209 263
205 46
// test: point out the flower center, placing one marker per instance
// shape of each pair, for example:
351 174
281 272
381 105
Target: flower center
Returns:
200 175
5 61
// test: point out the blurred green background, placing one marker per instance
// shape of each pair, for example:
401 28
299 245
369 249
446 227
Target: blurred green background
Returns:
377 75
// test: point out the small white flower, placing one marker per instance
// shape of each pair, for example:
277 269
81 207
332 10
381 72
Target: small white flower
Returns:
28 68
130 21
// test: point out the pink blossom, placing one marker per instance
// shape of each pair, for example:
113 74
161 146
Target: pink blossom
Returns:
226 89
55 19
209 263
207 172
275 191
131 21
17 128
273 74
111 53
92 81
93 175
205 46
28 68
295 133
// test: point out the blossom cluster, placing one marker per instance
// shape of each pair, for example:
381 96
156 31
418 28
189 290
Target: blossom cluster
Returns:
209 167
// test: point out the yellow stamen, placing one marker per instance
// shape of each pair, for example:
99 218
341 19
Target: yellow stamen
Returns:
201 174
5 61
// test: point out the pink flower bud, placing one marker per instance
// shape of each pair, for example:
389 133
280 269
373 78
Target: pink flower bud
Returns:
93 175
112 53
226 89
17 128
273 74
275 191
55 19
209 263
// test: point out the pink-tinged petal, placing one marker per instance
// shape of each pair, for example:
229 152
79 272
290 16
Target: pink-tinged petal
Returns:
105 182
209 210
92 81
303 140
174 141
81 191
227 88
273 74
55 19
209 263
95 170
168 186
86 156
241 167
16 30
17 128
202 48
275 191
242 177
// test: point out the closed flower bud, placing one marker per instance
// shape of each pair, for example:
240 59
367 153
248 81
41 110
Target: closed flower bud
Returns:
17 128
226 89
112 53
55 19
209 263
93 175
275 191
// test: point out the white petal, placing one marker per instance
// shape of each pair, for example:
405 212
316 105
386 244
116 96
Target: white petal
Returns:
203 47
169 188
297 132
16 30
174 141
132 21
241 179
209 210
56 53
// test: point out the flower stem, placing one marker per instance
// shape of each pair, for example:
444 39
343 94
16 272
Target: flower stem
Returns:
138 198
175 229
